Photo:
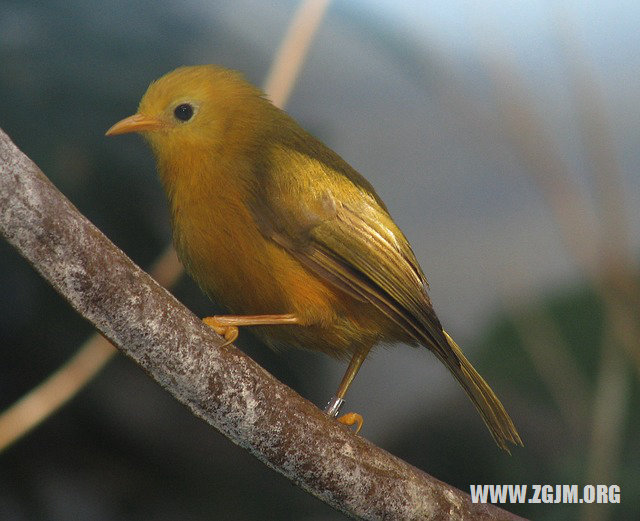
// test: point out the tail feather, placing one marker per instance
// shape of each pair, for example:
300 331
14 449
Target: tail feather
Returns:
492 411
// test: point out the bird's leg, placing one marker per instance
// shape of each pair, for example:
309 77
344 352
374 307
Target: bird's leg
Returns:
333 407
227 325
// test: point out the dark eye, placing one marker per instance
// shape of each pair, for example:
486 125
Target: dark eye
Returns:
183 112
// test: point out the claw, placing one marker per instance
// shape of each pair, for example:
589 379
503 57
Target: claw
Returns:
230 333
352 418
349 419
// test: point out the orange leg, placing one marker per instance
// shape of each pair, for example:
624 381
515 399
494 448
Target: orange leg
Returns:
333 407
227 325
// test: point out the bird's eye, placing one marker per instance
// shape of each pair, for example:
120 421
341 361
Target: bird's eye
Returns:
183 112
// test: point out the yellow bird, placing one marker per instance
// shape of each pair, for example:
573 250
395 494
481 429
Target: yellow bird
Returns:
278 228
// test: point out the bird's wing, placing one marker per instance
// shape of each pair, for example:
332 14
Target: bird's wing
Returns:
333 222
331 219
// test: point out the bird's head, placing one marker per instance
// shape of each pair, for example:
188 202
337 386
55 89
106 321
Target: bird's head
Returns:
196 108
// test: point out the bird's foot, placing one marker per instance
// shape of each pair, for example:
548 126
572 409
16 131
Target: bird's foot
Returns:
352 418
229 332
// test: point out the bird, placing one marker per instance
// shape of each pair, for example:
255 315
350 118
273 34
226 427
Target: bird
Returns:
281 231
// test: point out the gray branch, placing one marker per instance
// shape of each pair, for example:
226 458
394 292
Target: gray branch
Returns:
221 385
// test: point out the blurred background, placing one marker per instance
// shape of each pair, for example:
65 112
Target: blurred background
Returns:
503 137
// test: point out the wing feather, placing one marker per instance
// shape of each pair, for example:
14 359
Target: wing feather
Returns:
335 224
374 260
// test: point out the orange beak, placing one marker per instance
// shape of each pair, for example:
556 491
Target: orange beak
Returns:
135 123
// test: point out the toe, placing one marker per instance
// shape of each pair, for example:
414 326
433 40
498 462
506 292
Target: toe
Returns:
352 418
230 334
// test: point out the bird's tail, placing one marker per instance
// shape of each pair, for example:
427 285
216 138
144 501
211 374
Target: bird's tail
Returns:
485 400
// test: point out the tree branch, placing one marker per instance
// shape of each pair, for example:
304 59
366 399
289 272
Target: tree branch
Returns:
221 385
